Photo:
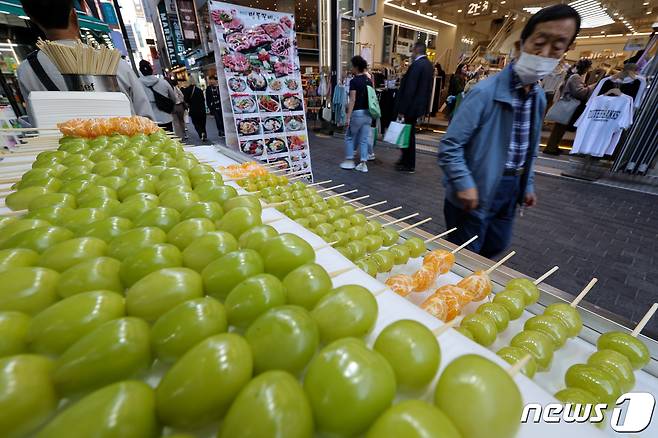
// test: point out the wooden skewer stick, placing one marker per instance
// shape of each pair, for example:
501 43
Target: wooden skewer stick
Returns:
327 181
584 292
640 325
326 245
438 236
546 275
14 213
417 224
500 262
402 219
341 194
330 188
27 129
342 271
371 205
271 221
514 369
360 198
10 180
464 245
276 204
380 291
382 213
444 328
297 177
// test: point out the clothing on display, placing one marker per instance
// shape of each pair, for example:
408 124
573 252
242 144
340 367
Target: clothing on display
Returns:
339 104
629 85
601 124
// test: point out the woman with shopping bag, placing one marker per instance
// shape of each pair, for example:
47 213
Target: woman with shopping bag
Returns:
359 118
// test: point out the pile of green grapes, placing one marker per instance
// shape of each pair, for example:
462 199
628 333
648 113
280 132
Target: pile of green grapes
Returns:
141 296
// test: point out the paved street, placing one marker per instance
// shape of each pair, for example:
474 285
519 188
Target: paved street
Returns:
588 230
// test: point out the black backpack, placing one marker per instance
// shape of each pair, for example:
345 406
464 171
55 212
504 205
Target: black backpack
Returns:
163 103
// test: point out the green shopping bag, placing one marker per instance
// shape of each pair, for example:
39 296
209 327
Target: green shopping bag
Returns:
398 134
373 103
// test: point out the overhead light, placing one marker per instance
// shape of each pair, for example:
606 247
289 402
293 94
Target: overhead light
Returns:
24 17
646 3
615 13
429 13
532 9
592 13
459 10
503 2
423 1
417 12
494 11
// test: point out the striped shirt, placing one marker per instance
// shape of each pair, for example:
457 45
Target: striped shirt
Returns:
522 103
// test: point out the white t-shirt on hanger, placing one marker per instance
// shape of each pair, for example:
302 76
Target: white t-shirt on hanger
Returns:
601 124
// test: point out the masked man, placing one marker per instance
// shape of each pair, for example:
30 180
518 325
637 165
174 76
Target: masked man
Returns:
489 149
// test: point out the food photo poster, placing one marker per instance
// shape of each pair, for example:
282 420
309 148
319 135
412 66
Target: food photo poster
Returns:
260 81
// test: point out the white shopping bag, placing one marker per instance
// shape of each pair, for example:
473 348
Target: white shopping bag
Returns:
398 134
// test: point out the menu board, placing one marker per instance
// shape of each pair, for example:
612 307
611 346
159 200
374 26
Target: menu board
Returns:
259 65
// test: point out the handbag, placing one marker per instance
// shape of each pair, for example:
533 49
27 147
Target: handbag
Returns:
326 114
562 110
162 102
398 134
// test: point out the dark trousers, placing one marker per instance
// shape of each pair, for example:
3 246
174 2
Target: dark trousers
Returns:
219 121
408 157
552 146
199 122
493 226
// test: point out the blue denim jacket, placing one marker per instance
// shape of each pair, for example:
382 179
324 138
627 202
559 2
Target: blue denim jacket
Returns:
473 151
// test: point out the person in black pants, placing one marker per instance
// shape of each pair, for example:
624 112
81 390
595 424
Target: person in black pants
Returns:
214 103
196 103
413 101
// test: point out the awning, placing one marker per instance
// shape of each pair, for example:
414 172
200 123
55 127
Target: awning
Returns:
14 7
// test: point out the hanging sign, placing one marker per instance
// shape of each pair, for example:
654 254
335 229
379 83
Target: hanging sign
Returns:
261 83
187 16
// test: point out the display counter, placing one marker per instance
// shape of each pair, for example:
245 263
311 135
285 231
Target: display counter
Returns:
393 307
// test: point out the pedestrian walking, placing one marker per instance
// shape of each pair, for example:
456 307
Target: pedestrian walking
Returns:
413 101
196 104
214 104
359 119
160 94
488 152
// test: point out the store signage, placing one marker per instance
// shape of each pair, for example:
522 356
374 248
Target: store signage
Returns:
170 45
261 85
476 9
109 14
176 33
188 21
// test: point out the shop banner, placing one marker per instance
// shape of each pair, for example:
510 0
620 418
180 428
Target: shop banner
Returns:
187 16
167 32
260 81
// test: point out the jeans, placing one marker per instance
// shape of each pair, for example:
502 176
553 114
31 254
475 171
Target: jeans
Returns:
493 226
357 135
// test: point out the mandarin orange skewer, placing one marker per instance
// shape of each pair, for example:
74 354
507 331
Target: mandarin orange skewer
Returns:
479 283
401 284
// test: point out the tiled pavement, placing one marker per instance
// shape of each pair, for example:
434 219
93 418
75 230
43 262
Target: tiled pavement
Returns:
588 230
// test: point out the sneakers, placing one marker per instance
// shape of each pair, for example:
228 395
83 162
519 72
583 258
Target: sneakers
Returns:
347 165
362 167
371 157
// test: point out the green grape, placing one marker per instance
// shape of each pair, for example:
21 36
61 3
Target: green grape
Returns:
223 274
401 253
20 199
368 265
512 355
284 253
193 396
390 236
465 332
132 240
385 260
79 219
146 260
347 311
238 220
28 290
513 301
13 333
623 343
185 325
487 389
113 351
594 380
200 253
279 403
17 258
106 229
356 232
61 325
529 289
482 327
283 338
66 254
549 325
348 387
52 200
416 247
413 352
568 315
160 291
252 297
615 364
101 273
497 312
164 218
38 239
188 231
306 285
125 409
413 419
538 344
208 210
20 225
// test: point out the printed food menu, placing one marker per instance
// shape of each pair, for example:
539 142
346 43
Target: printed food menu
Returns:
259 61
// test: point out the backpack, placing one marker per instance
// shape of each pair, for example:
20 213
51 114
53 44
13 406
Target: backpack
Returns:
373 103
163 103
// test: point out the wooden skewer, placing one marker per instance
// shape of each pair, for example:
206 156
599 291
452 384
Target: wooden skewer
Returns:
342 271
464 245
444 328
645 319
417 224
500 262
380 291
297 177
438 236
584 292
397 221
341 194
27 129
14 213
360 198
514 369
382 213
276 204
330 188
10 180
371 205
546 275
327 181
326 245
271 221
